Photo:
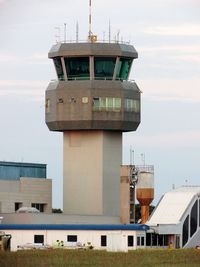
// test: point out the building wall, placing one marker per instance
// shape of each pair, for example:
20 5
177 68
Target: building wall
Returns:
22 237
25 191
125 194
92 162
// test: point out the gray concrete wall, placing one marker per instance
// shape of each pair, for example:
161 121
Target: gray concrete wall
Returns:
91 163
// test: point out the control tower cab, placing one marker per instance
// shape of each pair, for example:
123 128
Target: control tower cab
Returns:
92 103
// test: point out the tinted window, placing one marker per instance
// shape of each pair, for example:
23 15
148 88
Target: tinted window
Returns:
123 68
199 212
72 238
130 240
185 230
59 69
103 241
77 68
193 219
38 239
104 68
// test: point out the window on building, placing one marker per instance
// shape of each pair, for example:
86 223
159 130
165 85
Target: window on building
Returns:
185 232
104 68
47 106
130 240
142 240
39 239
38 206
123 68
199 212
131 105
138 241
18 205
77 68
193 219
72 238
59 69
106 104
103 240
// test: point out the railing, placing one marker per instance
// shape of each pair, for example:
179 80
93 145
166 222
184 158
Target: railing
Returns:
145 168
95 79
97 41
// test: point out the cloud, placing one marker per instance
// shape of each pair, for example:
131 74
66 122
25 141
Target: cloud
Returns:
180 30
171 90
33 90
177 139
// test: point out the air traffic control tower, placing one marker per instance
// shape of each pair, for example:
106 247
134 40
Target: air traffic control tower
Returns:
93 102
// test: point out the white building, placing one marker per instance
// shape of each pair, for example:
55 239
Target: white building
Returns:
108 237
176 219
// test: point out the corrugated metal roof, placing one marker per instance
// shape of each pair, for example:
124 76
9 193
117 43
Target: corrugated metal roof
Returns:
133 227
173 205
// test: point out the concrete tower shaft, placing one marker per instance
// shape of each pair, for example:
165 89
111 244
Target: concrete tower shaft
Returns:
92 102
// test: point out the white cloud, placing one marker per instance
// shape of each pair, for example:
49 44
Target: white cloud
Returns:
180 30
33 90
177 139
171 90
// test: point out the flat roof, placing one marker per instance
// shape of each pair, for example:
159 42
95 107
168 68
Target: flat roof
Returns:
133 227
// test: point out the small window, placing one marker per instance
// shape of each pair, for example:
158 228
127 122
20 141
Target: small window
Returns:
107 104
18 205
38 206
132 105
72 238
142 240
103 240
130 240
39 239
138 241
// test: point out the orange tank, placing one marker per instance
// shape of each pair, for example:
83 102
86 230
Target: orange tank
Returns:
145 193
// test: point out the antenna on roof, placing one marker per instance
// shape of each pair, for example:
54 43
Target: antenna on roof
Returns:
109 32
57 35
91 38
90 19
77 32
65 32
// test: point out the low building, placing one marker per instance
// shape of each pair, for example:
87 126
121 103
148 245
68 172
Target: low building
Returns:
113 237
175 221
24 185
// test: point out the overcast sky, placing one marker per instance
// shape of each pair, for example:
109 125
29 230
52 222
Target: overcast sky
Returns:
166 34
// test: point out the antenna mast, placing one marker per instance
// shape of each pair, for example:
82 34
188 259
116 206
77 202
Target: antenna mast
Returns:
91 37
90 19
77 32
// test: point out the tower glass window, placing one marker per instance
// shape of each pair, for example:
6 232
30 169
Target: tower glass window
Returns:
193 219
104 68
77 68
123 68
59 69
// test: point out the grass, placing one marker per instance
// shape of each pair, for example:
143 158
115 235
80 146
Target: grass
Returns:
71 258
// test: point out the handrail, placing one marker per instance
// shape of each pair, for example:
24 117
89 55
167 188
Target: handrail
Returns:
98 41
